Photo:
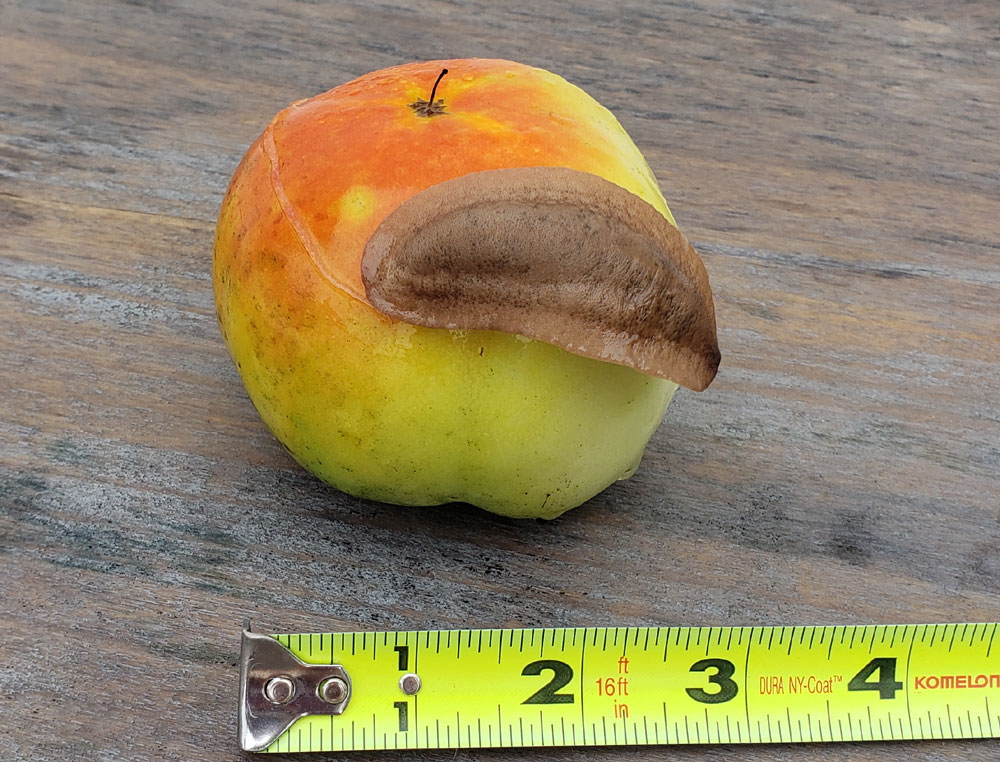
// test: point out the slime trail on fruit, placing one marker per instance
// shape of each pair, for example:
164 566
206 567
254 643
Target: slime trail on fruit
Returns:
302 230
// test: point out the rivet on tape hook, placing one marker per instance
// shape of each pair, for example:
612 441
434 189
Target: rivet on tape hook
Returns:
276 689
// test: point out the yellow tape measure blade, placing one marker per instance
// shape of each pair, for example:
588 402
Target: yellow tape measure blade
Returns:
624 686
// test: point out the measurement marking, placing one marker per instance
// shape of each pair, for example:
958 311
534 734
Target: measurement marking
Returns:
583 721
989 716
645 728
729 731
687 644
479 644
458 645
666 645
645 644
812 636
954 632
563 723
656 641
933 635
729 642
791 640
746 682
871 727
635 641
909 656
770 640
666 725
990 646
951 728
605 646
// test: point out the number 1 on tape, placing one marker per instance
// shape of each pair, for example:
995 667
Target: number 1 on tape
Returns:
598 686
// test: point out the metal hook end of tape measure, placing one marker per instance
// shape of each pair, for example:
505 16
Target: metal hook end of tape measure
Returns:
276 689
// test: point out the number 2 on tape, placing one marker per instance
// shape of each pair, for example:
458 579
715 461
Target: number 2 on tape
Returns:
618 686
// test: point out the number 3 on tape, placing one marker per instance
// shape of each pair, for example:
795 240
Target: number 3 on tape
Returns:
598 686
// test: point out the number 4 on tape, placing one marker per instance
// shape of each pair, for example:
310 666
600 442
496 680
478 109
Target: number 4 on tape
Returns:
599 686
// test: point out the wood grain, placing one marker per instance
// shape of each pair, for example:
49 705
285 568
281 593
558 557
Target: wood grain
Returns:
835 162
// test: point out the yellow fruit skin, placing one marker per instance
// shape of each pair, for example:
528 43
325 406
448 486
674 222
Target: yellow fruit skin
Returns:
400 413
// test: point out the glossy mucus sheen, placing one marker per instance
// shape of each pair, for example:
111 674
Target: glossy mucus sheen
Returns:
553 254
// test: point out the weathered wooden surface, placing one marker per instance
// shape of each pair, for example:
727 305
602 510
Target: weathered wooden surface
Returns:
837 166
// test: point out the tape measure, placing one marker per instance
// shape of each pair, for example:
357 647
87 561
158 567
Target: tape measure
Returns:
598 686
